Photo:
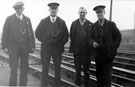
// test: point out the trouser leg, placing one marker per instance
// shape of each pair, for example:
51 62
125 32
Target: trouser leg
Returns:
45 59
86 66
77 61
13 63
57 56
103 74
23 68
99 74
107 71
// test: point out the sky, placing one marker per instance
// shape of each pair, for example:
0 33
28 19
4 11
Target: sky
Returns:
122 14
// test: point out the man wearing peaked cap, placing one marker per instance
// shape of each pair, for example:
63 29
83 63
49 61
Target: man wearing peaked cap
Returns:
18 41
99 7
52 32
104 38
53 4
18 4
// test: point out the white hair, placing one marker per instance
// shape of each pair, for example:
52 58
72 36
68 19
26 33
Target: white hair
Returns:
82 9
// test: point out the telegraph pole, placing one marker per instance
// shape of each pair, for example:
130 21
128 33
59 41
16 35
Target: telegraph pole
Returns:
134 23
134 20
111 3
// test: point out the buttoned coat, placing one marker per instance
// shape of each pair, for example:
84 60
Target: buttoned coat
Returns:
11 33
43 34
112 39
73 44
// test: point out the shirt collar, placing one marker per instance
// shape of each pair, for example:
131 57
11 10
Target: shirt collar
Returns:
51 18
101 22
84 20
20 17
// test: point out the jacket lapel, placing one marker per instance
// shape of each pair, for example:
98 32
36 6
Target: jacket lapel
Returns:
16 19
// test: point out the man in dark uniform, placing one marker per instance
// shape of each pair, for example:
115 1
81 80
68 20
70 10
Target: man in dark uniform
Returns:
53 34
80 47
18 41
105 38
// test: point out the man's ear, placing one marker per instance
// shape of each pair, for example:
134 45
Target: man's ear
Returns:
104 11
86 13
49 9
57 10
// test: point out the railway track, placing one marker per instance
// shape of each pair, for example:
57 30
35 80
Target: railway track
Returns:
123 70
119 74
36 69
121 52
127 51
123 63
67 71
119 61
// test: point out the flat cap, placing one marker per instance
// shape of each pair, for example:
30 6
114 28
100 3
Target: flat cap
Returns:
99 7
18 4
53 5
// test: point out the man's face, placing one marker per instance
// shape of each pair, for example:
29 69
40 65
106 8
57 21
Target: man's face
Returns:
82 14
53 11
19 10
100 14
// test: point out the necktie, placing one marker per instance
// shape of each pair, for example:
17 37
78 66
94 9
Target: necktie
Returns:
19 17
101 22
53 20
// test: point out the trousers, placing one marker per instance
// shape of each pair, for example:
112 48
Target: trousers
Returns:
16 54
103 70
80 60
46 54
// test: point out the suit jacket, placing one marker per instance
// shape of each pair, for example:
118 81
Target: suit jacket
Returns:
11 33
43 34
73 43
112 38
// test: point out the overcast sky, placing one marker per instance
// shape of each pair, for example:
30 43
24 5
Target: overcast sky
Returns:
123 11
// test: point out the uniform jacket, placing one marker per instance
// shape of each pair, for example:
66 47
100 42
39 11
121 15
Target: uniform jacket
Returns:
43 33
73 44
11 33
112 38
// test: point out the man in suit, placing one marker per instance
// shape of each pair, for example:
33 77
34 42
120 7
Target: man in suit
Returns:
104 38
18 41
53 34
79 46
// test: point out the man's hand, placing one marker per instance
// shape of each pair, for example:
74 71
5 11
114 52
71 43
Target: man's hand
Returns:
5 50
95 45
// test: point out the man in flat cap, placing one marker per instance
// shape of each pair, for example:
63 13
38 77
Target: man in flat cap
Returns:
79 46
53 34
18 41
104 38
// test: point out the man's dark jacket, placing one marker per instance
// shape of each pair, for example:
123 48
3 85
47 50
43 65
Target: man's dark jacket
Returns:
112 38
11 33
73 44
43 33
